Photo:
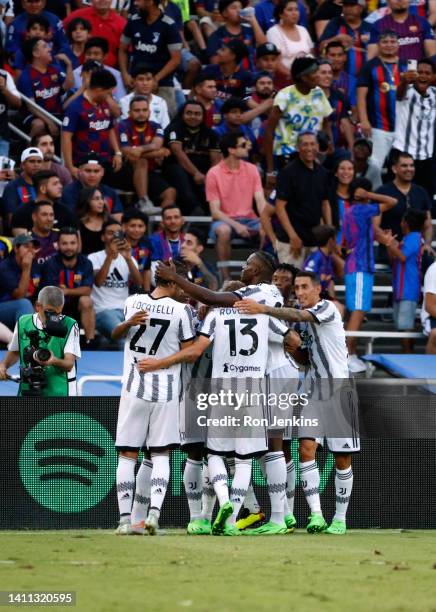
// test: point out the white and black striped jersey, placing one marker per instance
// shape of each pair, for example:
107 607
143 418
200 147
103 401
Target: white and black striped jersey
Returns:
415 118
240 342
170 323
325 341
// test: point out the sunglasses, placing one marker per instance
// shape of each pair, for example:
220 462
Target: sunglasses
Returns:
244 145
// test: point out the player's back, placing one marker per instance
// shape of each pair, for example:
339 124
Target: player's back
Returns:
170 323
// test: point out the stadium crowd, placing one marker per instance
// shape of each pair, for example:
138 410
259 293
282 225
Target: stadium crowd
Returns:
304 129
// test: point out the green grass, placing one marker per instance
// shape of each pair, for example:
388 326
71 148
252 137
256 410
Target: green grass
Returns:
366 571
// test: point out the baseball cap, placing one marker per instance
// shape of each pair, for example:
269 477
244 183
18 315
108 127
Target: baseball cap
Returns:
24 239
238 48
363 142
90 158
266 49
31 152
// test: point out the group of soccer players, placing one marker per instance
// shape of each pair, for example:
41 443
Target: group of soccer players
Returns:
245 337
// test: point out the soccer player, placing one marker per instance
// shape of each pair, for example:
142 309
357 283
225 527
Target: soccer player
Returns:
321 328
148 411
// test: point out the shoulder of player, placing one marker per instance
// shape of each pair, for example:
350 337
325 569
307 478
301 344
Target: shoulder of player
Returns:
168 20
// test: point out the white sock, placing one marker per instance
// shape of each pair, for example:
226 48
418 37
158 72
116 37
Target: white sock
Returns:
290 487
141 501
309 475
160 476
218 478
240 484
250 501
209 498
343 486
231 464
125 486
193 481
275 467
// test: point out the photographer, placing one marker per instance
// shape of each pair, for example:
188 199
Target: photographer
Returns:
46 331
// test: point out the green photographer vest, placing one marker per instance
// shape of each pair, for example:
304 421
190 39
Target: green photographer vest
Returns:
57 380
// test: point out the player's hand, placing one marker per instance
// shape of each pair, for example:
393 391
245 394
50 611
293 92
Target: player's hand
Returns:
295 246
366 128
249 307
3 372
241 230
292 342
190 256
148 364
139 318
166 271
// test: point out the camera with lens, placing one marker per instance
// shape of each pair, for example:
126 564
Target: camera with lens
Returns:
32 372
119 235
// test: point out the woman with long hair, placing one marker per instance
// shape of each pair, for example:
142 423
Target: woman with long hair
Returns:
339 196
92 212
78 32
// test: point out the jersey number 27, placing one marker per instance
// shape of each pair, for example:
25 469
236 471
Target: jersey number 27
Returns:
162 323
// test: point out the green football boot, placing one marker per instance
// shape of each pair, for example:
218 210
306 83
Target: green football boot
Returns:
316 524
337 527
224 512
199 527
290 521
230 530
267 529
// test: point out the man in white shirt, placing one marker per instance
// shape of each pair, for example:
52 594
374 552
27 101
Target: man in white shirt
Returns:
143 83
114 267
428 311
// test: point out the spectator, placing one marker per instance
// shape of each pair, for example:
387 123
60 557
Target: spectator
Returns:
408 195
406 273
414 33
261 101
96 50
298 108
428 311
156 42
21 190
364 167
230 78
415 119
143 85
359 265
142 144
291 39
9 99
105 23
17 29
78 32
135 226
244 29
344 81
91 174
42 230
205 91
267 59
210 17
20 276
232 112
350 30
325 12
43 82
266 18
44 142
342 128
72 272
231 186
194 149
339 194
92 212
302 191
48 187
88 126
198 271
114 268
376 88
166 243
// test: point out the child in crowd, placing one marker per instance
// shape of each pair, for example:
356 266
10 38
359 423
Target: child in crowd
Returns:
358 236
326 263
406 272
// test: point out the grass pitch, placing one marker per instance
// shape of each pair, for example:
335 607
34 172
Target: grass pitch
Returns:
362 571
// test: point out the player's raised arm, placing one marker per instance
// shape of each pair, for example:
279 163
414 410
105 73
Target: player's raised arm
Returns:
190 352
293 315
139 318
201 294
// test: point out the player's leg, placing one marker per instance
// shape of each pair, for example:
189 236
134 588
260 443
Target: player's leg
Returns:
160 476
218 477
125 478
289 518
193 483
310 480
240 484
141 501
209 498
343 488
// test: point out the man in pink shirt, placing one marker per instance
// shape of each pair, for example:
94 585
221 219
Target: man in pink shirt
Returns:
105 23
231 186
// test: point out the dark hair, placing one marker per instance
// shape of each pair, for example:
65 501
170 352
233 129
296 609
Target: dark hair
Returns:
109 221
201 78
97 41
143 69
169 207
269 262
37 137
181 269
428 62
397 155
285 267
359 183
138 99
223 4
280 7
195 103
415 219
333 44
28 47
134 213
73 25
233 103
102 79
38 19
229 141
42 177
307 274
323 233
68 231
82 206
201 239
39 204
